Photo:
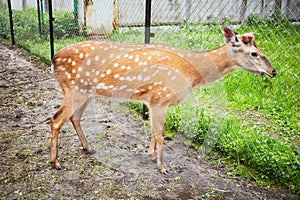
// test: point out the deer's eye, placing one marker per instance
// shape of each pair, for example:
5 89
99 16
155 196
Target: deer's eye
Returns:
254 55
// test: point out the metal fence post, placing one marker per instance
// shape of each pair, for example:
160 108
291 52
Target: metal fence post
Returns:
11 23
51 19
147 41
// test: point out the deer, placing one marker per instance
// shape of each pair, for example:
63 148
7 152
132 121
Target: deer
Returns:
157 75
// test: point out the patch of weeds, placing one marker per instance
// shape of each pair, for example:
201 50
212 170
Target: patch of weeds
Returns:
210 194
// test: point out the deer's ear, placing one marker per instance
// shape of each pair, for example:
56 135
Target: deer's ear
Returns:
248 38
229 35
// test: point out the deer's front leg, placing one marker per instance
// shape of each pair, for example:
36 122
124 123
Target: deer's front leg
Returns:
157 139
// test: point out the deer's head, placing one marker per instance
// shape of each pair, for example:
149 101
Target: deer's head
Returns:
245 53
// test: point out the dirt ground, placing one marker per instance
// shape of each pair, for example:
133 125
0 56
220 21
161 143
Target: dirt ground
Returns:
120 168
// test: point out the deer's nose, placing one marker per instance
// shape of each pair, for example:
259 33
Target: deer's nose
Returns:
274 72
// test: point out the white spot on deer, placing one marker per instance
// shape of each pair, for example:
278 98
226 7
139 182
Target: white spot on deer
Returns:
102 75
123 67
116 64
72 82
77 75
147 78
76 87
149 58
136 59
122 78
64 60
150 87
111 86
97 73
173 78
159 93
88 61
69 60
106 48
93 48
73 71
100 86
111 55
69 76
125 55
58 59
128 78
76 50
136 91
95 80
86 55
128 67
82 80
81 55
103 61
140 77
87 73
108 71
97 58
122 87
116 76
169 73
130 57
129 90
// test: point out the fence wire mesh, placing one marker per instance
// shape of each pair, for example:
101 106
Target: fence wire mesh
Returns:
261 127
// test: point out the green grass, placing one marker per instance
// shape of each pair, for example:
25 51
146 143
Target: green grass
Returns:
252 121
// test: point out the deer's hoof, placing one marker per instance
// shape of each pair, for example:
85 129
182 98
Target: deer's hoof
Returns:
164 171
89 151
57 165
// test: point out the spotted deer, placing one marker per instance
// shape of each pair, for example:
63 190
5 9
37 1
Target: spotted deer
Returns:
157 75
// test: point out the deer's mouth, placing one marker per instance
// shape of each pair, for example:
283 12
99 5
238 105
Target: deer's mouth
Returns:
272 73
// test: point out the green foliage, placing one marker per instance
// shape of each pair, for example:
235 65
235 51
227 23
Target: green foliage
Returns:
65 25
4 21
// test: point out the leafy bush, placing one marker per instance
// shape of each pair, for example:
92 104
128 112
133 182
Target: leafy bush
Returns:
4 21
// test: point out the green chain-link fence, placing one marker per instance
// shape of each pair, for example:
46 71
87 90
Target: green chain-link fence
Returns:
261 127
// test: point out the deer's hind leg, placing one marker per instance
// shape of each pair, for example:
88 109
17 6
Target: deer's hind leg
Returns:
157 139
65 111
75 119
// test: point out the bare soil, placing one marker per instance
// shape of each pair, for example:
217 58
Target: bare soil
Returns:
120 168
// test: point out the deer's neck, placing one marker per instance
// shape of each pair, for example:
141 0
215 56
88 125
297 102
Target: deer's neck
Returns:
212 65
